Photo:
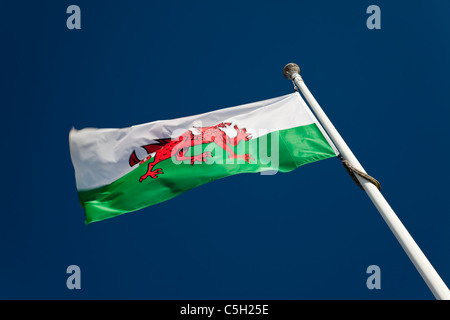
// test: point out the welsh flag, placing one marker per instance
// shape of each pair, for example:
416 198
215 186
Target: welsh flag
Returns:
124 170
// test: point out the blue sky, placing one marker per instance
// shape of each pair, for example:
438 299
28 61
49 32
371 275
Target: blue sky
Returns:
308 234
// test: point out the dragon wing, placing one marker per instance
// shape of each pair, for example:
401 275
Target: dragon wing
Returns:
150 148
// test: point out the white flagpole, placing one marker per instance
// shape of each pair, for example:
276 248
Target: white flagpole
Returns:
432 279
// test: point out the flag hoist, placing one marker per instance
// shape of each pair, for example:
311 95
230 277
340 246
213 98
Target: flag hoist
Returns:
437 286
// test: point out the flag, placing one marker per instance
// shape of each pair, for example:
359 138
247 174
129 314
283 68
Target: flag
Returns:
124 170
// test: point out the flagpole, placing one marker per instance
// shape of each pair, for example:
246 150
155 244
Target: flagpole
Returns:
431 277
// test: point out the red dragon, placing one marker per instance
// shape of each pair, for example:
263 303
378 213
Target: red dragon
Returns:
166 148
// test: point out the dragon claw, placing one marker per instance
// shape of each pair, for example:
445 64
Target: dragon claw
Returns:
242 134
224 124
247 158
152 174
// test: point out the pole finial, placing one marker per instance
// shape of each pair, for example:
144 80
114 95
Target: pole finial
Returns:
290 70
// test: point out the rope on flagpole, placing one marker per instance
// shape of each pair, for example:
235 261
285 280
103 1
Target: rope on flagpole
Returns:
295 87
352 171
